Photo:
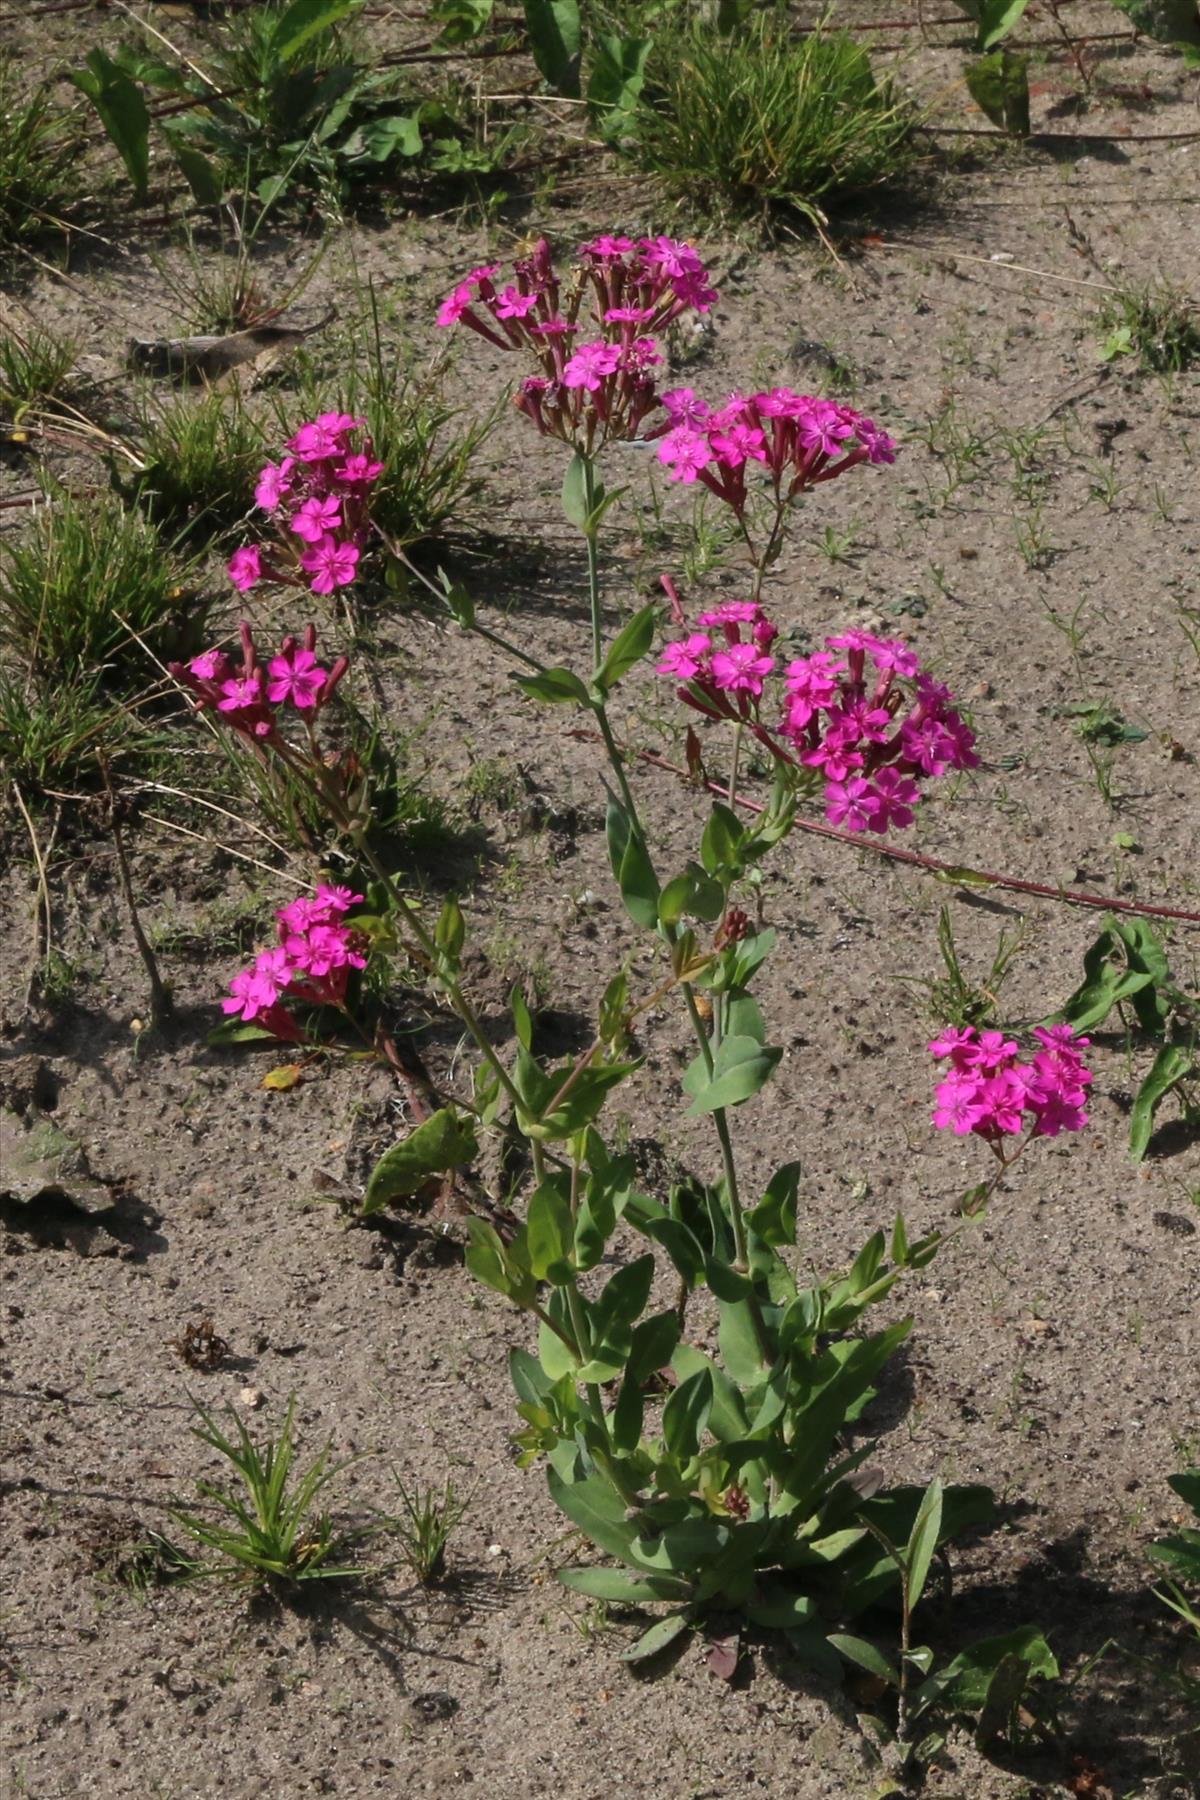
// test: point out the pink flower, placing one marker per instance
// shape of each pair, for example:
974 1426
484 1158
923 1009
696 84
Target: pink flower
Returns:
628 315
245 568
321 514
322 949
513 304
740 669
607 249
295 676
956 1043
330 564
455 305
336 899
241 692
686 660
589 365
357 471
314 442
895 796
850 803
254 990
684 452
960 1105
684 407
733 612
211 666
274 484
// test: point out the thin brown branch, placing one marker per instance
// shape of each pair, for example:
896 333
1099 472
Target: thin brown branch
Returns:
966 876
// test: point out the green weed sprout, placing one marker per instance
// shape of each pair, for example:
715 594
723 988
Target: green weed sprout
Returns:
268 1533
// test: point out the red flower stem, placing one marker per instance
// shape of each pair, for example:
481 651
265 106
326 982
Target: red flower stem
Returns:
1067 896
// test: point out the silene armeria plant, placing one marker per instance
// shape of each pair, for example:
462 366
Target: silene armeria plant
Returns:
717 1468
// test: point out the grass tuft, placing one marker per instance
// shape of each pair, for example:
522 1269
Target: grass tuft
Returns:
35 365
1157 322
200 457
762 119
87 577
39 149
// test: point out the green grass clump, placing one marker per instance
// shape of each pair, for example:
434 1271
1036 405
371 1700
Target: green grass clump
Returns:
1157 322
762 119
266 1530
425 443
200 457
39 150
35 365
86 582
51 731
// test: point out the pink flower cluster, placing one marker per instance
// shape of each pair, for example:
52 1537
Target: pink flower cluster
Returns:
798 439
311 963
590 333
986 1090
318 499
872 736
245 694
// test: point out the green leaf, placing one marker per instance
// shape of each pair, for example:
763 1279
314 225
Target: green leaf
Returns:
378 140
576 492
740 1068
685 1416
598 1511
963 1684
1172 1066
497 1265
444 1142
555 38
997 20
122 110
692 892
615 84
550 1233
1167 21
450 932
459 603
681 1245
522 1022
999 86
1104 984
200 174
721 844
626 1590
304 19
857 1650
557 687
774 1218
923 1542
627 648
653 1642
237 1031
631 866
653 1344
461 20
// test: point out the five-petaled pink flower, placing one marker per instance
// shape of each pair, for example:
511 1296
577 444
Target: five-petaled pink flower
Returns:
330 564
245 567
321 514
295 675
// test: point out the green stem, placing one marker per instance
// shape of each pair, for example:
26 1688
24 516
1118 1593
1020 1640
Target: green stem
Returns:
593 563
737 757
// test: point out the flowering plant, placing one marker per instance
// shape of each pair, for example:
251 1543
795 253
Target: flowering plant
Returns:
311 964
719 1477
988 1091
317 498
586 393
870 742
